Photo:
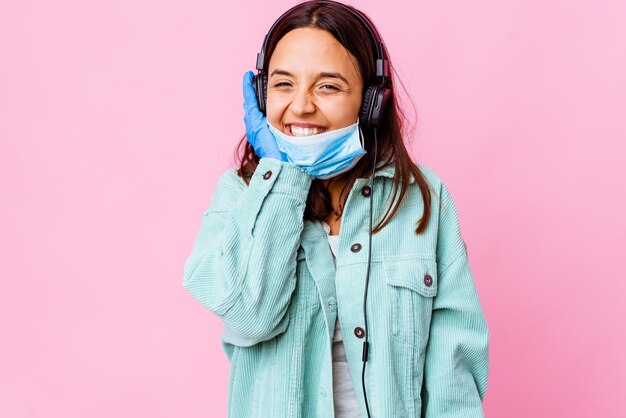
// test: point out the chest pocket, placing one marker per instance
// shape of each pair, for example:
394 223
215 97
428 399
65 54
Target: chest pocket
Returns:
412 285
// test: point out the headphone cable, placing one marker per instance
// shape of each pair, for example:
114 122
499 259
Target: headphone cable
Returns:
367 275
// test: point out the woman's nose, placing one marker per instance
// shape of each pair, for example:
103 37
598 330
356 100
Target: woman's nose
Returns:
302 102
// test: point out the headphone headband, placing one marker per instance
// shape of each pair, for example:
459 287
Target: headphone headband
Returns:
382 65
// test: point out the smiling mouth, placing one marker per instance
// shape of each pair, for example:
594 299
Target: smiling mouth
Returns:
300 131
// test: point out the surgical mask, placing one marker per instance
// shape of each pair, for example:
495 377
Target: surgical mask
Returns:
324 155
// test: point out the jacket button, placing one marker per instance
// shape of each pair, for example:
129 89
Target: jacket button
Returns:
355 248
267 175
366 191
359 332
428 280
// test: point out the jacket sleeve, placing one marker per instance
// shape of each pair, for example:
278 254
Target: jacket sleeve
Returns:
456 363
243 262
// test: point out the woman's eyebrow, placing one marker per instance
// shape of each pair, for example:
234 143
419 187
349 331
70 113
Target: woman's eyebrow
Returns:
278 71
332 75
322 74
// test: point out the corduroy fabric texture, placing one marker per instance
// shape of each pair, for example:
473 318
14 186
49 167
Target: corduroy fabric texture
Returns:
270 277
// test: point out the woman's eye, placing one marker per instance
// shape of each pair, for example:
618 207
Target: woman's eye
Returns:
329 86
282 84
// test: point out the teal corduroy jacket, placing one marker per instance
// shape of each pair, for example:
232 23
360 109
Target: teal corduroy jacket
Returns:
269 276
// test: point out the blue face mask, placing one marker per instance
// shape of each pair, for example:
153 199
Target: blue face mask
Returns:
322 155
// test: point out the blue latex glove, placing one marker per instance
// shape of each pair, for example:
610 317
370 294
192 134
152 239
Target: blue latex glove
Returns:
257 131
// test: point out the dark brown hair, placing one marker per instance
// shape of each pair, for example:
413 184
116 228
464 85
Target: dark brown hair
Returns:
351 33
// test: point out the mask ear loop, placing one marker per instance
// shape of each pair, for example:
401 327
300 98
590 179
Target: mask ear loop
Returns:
367 275
361 135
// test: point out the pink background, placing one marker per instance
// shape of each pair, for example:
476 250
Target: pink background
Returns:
117 117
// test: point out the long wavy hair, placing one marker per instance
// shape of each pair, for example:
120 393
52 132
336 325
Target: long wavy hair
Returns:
350 32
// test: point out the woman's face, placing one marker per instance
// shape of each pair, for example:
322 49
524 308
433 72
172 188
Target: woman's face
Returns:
313 84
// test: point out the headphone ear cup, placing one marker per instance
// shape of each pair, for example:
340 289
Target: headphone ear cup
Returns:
260 88
365 105
383 95
374 104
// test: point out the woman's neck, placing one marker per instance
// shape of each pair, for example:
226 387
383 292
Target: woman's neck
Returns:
334 188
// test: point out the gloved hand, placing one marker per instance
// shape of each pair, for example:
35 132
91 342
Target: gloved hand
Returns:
257 131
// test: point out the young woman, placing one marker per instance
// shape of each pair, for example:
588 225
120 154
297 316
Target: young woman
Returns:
310 290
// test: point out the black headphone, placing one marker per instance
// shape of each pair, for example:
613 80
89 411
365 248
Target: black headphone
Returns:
376 95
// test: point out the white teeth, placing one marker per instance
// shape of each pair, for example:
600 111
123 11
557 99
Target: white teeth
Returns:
298 131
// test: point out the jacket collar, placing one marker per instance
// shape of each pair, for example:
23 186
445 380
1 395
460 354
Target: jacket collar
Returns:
313 229
389 172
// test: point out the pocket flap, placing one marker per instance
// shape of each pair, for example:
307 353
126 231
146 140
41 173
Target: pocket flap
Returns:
419 275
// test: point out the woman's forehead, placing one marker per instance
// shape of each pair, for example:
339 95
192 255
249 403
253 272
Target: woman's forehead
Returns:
308 51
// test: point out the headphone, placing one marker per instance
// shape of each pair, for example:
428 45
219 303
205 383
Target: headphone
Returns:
376 95
375 99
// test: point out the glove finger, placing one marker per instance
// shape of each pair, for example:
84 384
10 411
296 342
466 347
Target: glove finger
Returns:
248 90
248 93
256 118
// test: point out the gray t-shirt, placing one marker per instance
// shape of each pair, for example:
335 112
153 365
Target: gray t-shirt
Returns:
346 405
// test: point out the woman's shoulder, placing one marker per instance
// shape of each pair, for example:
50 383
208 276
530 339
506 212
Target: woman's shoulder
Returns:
432 177
227 189
439 185
233 178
